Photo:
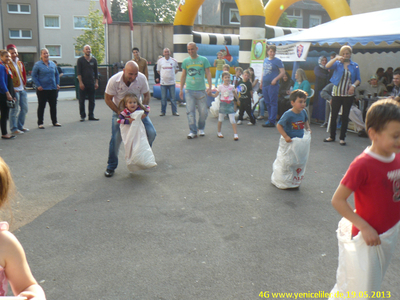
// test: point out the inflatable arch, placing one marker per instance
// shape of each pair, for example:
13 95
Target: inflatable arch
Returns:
335 9
253 20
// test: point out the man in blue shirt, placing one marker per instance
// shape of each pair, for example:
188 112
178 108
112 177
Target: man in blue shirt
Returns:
273 70
46 78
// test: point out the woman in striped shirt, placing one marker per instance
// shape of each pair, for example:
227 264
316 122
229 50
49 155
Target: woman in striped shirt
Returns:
345 78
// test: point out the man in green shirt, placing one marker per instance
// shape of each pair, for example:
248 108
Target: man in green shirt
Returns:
193 69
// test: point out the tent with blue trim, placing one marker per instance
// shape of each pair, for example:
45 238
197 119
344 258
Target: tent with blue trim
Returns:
373 32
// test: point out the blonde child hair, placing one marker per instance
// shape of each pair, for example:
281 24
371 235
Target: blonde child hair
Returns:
219 53
247 71
239 69
225 73
122 103
12 255
226 66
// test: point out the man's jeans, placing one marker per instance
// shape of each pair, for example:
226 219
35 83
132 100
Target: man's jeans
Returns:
194 98
116 139
270 93
171 89
17 121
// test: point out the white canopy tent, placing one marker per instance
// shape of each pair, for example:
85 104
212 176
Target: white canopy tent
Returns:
372 32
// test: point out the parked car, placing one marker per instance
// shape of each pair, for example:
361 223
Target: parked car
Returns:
68 78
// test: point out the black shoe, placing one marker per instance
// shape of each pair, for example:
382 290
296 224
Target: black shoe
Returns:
93 119
268 124
109 173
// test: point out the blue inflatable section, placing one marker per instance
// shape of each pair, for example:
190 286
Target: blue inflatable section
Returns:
157 92
231 53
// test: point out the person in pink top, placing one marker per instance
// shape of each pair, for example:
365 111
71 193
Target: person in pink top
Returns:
228 94
14 267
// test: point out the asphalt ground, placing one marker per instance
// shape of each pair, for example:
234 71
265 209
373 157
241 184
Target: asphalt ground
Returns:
206 223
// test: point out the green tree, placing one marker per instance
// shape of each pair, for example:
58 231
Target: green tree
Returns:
284 21
157 11
94 34
119 10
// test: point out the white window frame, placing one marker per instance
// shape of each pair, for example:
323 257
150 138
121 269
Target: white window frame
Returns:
53 45
19 9
231 10
315 17
294 14
79 28
20 34
75 52
52 16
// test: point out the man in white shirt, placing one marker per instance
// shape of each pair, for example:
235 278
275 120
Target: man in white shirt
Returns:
167 67
129 80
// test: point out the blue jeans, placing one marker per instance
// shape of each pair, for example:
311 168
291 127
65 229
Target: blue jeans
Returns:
116 139
218 74
171 89
270 93
194 98
17 121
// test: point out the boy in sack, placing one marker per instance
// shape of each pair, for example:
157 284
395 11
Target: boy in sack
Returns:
366 247
292 156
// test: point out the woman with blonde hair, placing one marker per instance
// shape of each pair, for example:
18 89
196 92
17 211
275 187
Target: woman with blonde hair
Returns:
345 79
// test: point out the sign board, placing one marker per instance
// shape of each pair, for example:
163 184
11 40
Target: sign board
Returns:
293 52
258 54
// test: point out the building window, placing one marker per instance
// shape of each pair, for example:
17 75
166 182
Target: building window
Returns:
293 12
315 20
54 51
52 22
20 33
234 17
78 51
80 22
18 8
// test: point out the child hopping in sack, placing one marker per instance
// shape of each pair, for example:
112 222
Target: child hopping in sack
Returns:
367 242
294 145
138 153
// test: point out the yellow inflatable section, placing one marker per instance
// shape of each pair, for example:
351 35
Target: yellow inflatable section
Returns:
187 10
274 9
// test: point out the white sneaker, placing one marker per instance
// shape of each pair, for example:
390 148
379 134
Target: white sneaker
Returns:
250 124
239 122
192 136
260 118
201 132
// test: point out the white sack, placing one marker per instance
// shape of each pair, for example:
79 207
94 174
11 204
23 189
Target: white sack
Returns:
214 108
290 163
138 153
362 268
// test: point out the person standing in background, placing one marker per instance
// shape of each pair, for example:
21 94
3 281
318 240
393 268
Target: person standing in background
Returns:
18 113
88 82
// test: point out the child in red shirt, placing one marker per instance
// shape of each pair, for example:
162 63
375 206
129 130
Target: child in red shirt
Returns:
374 177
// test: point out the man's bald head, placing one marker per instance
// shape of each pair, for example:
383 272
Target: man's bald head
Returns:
130 72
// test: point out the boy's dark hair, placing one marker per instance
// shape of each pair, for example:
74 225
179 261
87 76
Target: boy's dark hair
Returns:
381 113
297 94
271 47
135 48
396 72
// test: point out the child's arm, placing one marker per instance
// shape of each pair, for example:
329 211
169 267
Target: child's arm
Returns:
339 202
17 269
214 95
146 111
307 126
283 133
215 62
124 119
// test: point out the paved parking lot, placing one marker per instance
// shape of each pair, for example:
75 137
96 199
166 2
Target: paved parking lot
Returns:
206 223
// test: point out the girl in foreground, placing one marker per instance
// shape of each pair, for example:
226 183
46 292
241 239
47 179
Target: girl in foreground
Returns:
13 265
